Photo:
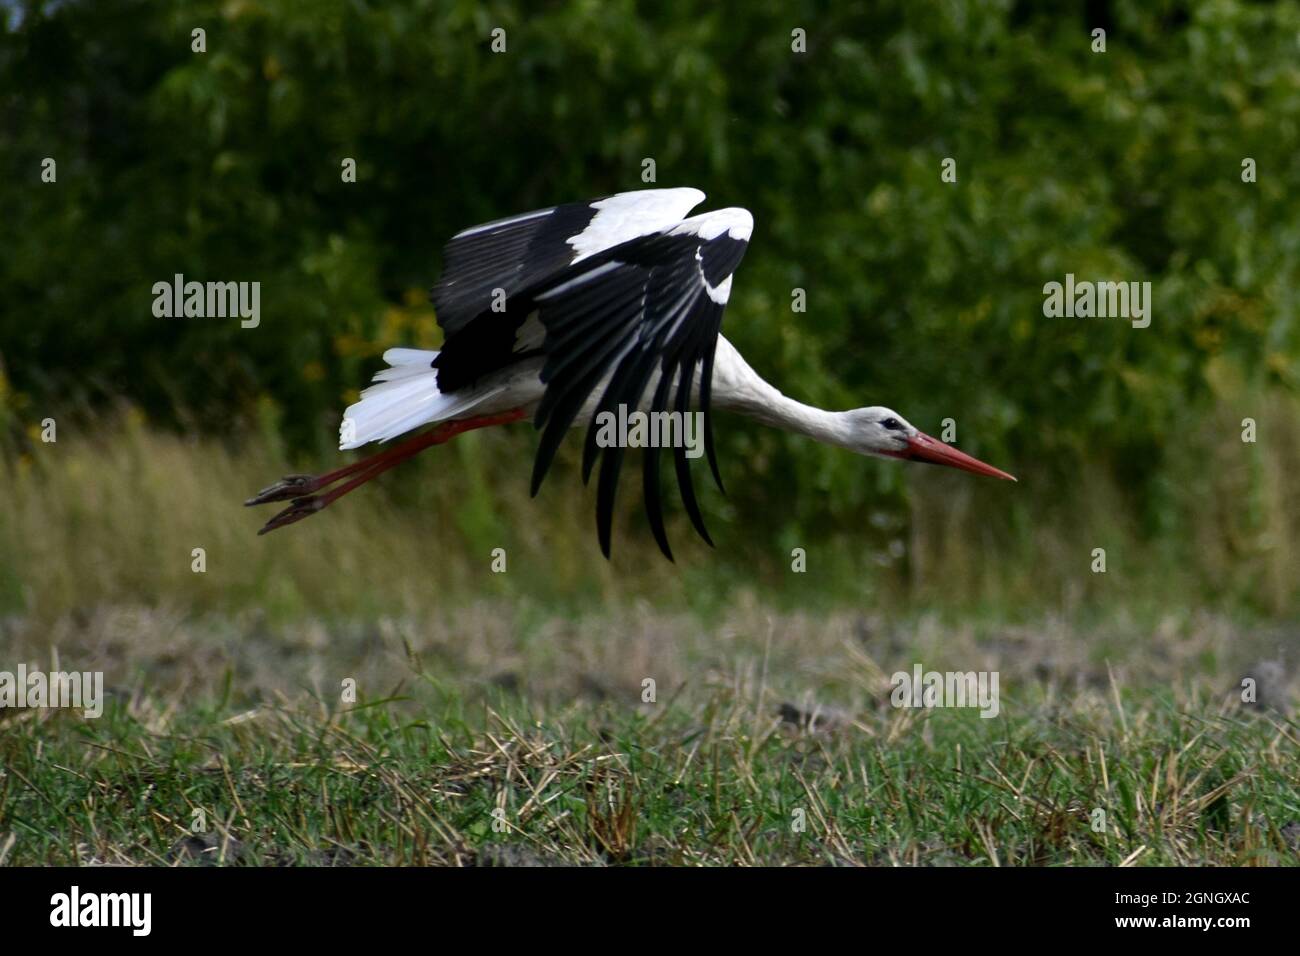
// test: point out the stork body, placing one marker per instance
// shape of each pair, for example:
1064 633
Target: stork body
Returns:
564 313
736 388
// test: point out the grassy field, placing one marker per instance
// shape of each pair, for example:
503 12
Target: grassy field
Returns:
500 735
503 719
111 514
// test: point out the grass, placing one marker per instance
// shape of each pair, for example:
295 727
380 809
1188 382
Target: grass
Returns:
111 514
498 735
500 718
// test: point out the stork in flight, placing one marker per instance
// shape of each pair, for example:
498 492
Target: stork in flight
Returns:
565 313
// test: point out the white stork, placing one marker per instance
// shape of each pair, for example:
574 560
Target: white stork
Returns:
563 313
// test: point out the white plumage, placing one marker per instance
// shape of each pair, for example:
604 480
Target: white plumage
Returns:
404 398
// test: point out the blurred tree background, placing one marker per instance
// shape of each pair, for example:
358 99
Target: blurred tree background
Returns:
921 294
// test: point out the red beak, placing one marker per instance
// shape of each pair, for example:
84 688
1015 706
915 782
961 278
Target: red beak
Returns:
921 447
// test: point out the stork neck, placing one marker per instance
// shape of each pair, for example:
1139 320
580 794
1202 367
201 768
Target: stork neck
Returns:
738 388
781 411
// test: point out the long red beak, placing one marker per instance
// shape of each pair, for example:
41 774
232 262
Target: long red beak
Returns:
922 447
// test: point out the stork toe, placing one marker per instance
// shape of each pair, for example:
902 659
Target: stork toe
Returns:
286 489
301 508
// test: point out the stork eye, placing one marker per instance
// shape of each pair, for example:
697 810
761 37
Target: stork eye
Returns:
893 424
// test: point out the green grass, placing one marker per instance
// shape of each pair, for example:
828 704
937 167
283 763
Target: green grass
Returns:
111 513
497 735
522 692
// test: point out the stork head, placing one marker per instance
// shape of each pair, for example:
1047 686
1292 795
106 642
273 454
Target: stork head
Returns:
884 433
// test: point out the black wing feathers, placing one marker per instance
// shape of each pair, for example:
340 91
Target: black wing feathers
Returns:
613 320
648 305
511 254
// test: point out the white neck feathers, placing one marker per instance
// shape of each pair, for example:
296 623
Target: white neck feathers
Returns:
738 388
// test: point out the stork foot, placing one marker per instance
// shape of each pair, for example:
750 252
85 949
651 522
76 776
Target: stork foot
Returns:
301 508
301 489
286 489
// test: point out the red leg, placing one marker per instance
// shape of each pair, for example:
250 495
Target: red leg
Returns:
301 488
295 486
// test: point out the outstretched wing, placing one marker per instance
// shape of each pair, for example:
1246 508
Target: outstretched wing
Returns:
515 254
649 304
